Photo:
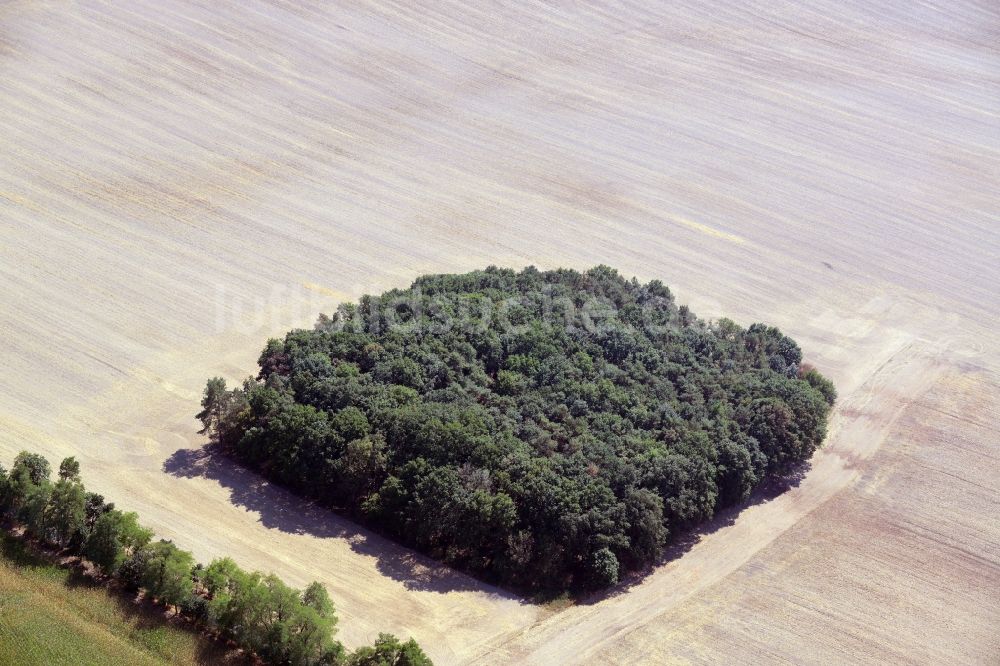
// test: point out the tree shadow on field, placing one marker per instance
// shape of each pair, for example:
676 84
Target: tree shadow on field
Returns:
685 541
283 510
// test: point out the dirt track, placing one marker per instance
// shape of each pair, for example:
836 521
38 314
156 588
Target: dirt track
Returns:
180 180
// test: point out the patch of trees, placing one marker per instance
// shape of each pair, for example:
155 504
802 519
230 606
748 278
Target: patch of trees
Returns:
260 613
545 430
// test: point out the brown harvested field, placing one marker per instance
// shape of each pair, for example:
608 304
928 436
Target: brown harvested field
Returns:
178 180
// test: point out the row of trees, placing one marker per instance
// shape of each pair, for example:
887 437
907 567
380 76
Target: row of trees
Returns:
542 429
259 612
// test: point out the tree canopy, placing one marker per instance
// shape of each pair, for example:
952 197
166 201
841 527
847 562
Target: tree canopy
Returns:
542 429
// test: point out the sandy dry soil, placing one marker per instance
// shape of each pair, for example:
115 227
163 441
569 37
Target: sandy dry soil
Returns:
180 180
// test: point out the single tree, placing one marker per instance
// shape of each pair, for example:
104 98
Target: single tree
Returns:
69 469
113 539
96 507
167 573
65 511
389 651
36 466
213 403
31 511
316 597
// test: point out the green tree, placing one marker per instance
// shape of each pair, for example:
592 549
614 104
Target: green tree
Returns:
223 412
772 424
603 568
113 539
167 572
736 473
351 423
96 507
213 403
268 617
307 638
316 597
278 607
219 575
389 651
26 490
34 464
31 511
69 469
820 383
66 510
104 547
646 531
238 601
362 466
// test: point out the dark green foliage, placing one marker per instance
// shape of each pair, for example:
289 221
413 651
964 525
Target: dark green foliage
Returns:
66 510
223 412
819 382
738 469
69 469
213 403
55 513
26 490
388 651
34 465
32 510
546 430
316 597
95 508
270 618
113 538
195 607
167 572
133 569
104 547
646 532
603 568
